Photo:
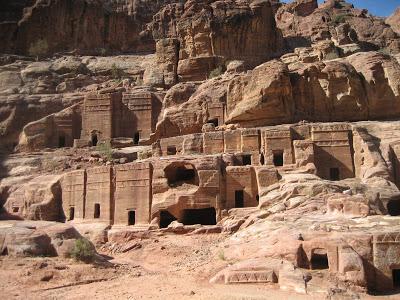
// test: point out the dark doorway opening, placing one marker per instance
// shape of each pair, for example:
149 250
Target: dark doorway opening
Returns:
393 207
278 158
166 218
131 217
97 211
71 213
396 278
178 175
15 209
258 198
61 141
136 138
319 260
262 159
246 159
213 121
334 174
239 199
94 140
171 150
205 216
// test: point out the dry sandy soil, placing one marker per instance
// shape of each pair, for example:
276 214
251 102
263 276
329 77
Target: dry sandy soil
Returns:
161 267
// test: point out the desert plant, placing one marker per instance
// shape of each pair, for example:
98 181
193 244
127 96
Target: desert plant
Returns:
38 48
221 255
116 72
338 19
216 72
83 250
105 150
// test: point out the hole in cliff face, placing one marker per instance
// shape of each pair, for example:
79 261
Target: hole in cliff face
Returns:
171 150
246 159
278 158
61 141
396 278
94 140
262 159
166 218
334 174
131 217
97 211
71 213
213 121
5 251
239 199
393 207
319 260
177 175
136 138
205 216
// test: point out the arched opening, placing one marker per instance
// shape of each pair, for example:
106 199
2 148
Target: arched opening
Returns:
278 158
131 217
71 213
136 138
393 207
205 216
61 141
166 218
97 211
180 174
94 140
319 259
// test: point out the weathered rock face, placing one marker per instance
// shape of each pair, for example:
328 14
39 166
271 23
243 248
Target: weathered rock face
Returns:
394 21
87 26
212 32
301 23
255 98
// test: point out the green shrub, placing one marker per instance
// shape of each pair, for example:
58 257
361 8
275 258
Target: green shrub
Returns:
341 18
221 255
38 48
116 72
105 150
216 72
83 251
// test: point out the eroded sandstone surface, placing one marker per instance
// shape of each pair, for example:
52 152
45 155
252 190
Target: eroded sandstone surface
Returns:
199 149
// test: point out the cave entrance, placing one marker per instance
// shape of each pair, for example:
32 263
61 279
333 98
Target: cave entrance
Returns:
97 211
239 199
246 159
396 278
262 159
319 259
171 150
166 218
205 216
214 122
334 174
15 209
131 217
71 213
94 140
61 141
178 175
136 138
393 207
278 158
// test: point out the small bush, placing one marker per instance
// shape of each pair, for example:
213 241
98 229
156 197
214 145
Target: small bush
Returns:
38 48
83 251
221 255
216 72
116 72
105 150
339 19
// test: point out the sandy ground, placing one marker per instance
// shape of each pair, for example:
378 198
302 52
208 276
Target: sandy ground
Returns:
162 267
